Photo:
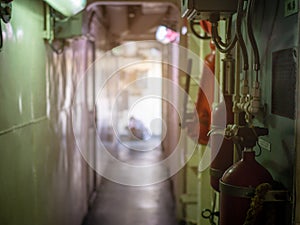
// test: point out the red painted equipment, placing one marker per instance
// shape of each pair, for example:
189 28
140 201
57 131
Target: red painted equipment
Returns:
222 157
204 100
222 149
206 26
238 183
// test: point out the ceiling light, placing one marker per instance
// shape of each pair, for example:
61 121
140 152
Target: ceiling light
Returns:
67 7
166 35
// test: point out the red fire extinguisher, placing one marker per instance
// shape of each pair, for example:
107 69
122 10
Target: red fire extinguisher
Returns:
242 181
204 100
221 155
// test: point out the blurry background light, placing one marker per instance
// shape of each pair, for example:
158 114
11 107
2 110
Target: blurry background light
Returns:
166 35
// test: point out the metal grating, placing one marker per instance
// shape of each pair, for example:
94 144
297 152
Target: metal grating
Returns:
284 70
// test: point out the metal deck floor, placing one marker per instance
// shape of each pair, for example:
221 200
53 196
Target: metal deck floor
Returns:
118 204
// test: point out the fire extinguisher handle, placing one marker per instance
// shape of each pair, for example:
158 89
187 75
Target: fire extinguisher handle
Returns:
246 137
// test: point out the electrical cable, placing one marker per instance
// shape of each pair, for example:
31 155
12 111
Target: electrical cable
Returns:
240 38
205 37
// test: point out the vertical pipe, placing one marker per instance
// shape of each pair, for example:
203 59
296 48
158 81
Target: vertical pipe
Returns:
236 97
95 113
187 91
218 78
297 163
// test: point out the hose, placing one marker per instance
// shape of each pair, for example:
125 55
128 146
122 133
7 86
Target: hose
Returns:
252 38
222 47
229 25
240 35
228 35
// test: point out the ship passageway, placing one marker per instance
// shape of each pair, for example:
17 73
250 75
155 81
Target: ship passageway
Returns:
133 205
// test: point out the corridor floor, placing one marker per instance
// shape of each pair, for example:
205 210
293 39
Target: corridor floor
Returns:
118 204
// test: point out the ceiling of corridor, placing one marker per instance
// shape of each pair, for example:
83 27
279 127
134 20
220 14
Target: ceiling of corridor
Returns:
115 22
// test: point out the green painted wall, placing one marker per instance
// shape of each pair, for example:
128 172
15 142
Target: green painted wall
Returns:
274 32
42 174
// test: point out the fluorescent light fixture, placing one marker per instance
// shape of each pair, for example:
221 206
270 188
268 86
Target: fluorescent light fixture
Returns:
67 7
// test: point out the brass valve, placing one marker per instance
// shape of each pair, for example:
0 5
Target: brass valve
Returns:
246 137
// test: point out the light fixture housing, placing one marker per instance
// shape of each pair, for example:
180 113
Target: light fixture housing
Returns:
67 7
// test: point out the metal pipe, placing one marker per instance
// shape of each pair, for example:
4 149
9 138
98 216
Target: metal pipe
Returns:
239 34
237 95
223 48
236 99
228 71
252 38
218 78
1 37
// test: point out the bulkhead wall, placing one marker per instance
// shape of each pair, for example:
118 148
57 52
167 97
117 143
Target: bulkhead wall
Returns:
43 178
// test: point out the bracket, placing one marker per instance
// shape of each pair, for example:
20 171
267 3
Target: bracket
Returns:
5 15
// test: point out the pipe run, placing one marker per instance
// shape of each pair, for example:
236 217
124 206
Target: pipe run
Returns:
248 102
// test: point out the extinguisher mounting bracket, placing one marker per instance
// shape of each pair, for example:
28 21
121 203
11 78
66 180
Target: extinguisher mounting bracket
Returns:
278 196
249 192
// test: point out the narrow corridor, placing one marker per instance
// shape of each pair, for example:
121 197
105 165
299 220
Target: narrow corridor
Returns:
132 112
118 204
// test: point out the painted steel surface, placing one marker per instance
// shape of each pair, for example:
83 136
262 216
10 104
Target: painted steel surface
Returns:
42 174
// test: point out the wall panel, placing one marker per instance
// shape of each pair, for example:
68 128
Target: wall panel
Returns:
43 177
